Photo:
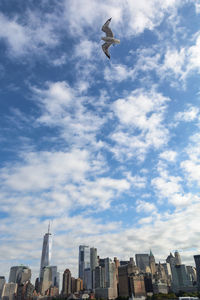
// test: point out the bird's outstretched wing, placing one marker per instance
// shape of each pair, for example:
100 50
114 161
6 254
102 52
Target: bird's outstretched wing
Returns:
105 47
105 28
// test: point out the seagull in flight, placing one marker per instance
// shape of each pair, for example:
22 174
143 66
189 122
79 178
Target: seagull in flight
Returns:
109 38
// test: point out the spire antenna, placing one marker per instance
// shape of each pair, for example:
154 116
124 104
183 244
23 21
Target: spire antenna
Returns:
49 227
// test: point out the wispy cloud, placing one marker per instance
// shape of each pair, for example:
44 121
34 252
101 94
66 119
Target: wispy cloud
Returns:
141 126
189 115
169 155
191 166
63 107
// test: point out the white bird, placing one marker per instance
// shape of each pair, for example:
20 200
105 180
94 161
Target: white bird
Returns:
109 38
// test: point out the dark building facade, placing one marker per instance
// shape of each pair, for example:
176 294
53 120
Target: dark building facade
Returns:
197 263
142 261
66 288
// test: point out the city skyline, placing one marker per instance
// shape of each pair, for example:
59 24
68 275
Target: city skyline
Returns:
107 150
84 260
106 277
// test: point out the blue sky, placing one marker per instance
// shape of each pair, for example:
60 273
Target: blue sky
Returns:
108 150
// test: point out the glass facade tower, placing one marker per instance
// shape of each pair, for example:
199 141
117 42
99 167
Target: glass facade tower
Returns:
46 252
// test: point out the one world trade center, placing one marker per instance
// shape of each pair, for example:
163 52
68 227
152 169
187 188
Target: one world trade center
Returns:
46 252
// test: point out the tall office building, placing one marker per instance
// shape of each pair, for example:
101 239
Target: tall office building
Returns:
168 272
2 282
79 284
46 252
25 291
177 258
152 263
84 260
19 274
73 285
93 264
9 291
93 258
192 273
87 283
184 281
55 276
106 279
137 285
167 268
46 282
66 288
161 274
50 278
142 261
124 273
174 284
197 263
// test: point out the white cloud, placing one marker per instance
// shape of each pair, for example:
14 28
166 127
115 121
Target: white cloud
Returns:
181 63
56 97
197 6
99 193
86 50
60 61
43 170
57 182
146 220
169 155
137 181
32 36
138 15
171 188
117 72
182 200
188 115
141 126
194 55
174 61
167 186
144 206
170 62
191 165
14 33
192 169
66 108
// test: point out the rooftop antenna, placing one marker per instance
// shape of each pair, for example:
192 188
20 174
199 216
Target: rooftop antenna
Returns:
49 227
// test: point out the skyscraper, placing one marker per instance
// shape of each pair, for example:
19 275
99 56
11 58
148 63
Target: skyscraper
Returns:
177 257
152 263
185 282
9 291
84 260
197 262
25 291
46 282
66 287
124 273
55 276
2 282
192 273
142 261
79 285
93 265
93 258
174 284
73 285
19 274
106 279
46 252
